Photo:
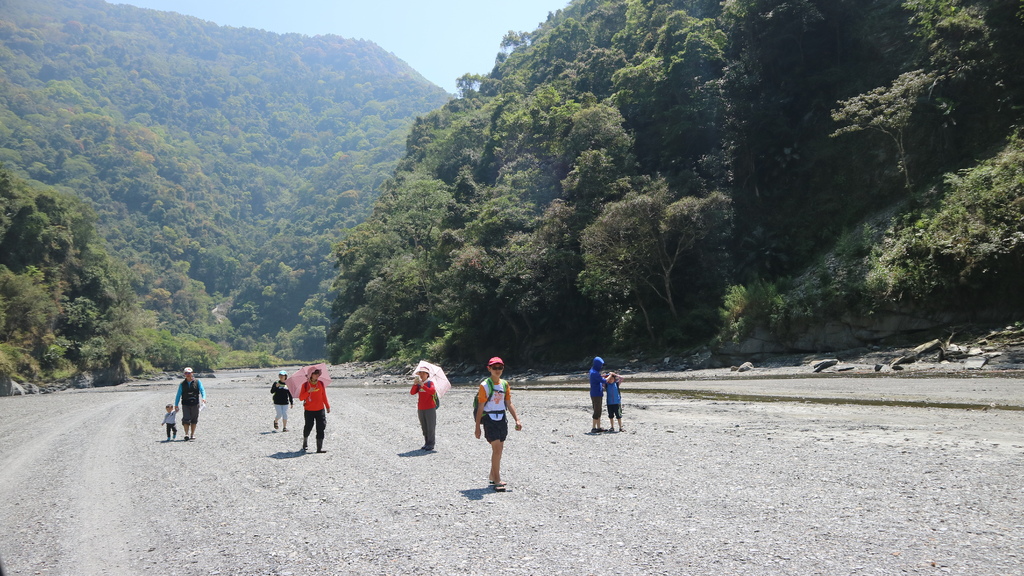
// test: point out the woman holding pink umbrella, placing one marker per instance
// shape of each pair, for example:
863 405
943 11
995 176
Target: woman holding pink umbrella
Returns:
313 395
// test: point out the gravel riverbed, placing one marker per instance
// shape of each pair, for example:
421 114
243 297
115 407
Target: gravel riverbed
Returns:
697 485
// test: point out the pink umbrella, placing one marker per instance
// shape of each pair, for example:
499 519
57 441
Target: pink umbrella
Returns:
301 375
441 383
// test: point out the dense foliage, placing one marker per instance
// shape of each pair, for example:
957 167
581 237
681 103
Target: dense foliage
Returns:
65 305
222 163
657 171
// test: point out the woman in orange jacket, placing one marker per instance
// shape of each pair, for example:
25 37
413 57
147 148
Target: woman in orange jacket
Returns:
314 399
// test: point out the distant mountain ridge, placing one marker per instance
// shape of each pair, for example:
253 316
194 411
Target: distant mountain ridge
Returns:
222 162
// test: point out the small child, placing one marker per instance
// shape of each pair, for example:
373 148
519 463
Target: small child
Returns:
614 401
169 421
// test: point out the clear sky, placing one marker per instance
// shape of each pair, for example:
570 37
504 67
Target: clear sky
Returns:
441 39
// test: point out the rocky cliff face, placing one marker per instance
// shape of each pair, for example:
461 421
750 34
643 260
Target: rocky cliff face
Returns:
854 332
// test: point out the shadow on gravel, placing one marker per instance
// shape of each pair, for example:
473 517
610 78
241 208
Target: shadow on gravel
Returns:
284 455
414 453
476 493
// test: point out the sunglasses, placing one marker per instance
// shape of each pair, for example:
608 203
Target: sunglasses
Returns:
497 367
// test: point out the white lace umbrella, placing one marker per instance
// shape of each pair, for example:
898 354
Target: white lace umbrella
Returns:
441 383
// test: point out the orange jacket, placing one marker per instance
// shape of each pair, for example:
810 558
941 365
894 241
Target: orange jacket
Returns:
314 397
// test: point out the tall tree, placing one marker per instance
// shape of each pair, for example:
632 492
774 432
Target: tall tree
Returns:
886 110
637 245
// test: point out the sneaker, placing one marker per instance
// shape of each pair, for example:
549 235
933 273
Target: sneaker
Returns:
595 430
275 424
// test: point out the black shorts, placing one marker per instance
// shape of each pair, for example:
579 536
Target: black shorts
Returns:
189 414
615 411
495 429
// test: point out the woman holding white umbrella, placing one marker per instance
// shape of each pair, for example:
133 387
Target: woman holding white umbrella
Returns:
430 383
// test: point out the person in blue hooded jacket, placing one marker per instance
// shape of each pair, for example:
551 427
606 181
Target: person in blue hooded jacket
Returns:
597 384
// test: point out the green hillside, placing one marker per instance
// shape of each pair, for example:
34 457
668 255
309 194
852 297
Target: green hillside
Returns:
658 174
221 163
65 304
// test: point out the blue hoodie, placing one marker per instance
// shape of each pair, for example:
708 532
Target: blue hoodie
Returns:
596 380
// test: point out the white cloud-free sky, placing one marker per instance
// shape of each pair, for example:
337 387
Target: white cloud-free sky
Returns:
441 39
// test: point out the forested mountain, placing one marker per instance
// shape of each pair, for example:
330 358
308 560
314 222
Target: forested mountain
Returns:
64 303
661 173
221 163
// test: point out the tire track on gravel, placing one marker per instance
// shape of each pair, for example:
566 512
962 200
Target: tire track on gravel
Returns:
42 490
32 478
34 442
103 528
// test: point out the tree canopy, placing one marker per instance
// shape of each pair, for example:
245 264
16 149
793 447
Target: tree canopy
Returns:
630 163
65 304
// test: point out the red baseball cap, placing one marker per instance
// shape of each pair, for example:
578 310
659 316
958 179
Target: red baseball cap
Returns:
494 361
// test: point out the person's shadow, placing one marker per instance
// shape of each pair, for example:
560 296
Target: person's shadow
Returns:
476 493
286 455
414 453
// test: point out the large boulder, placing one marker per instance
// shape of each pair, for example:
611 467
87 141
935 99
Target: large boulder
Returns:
82 380
9 387
820 365
106 377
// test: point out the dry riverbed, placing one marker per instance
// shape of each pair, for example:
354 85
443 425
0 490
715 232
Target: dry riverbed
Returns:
714 476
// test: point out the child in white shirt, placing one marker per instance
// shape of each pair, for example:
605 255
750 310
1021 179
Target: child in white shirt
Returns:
169 421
